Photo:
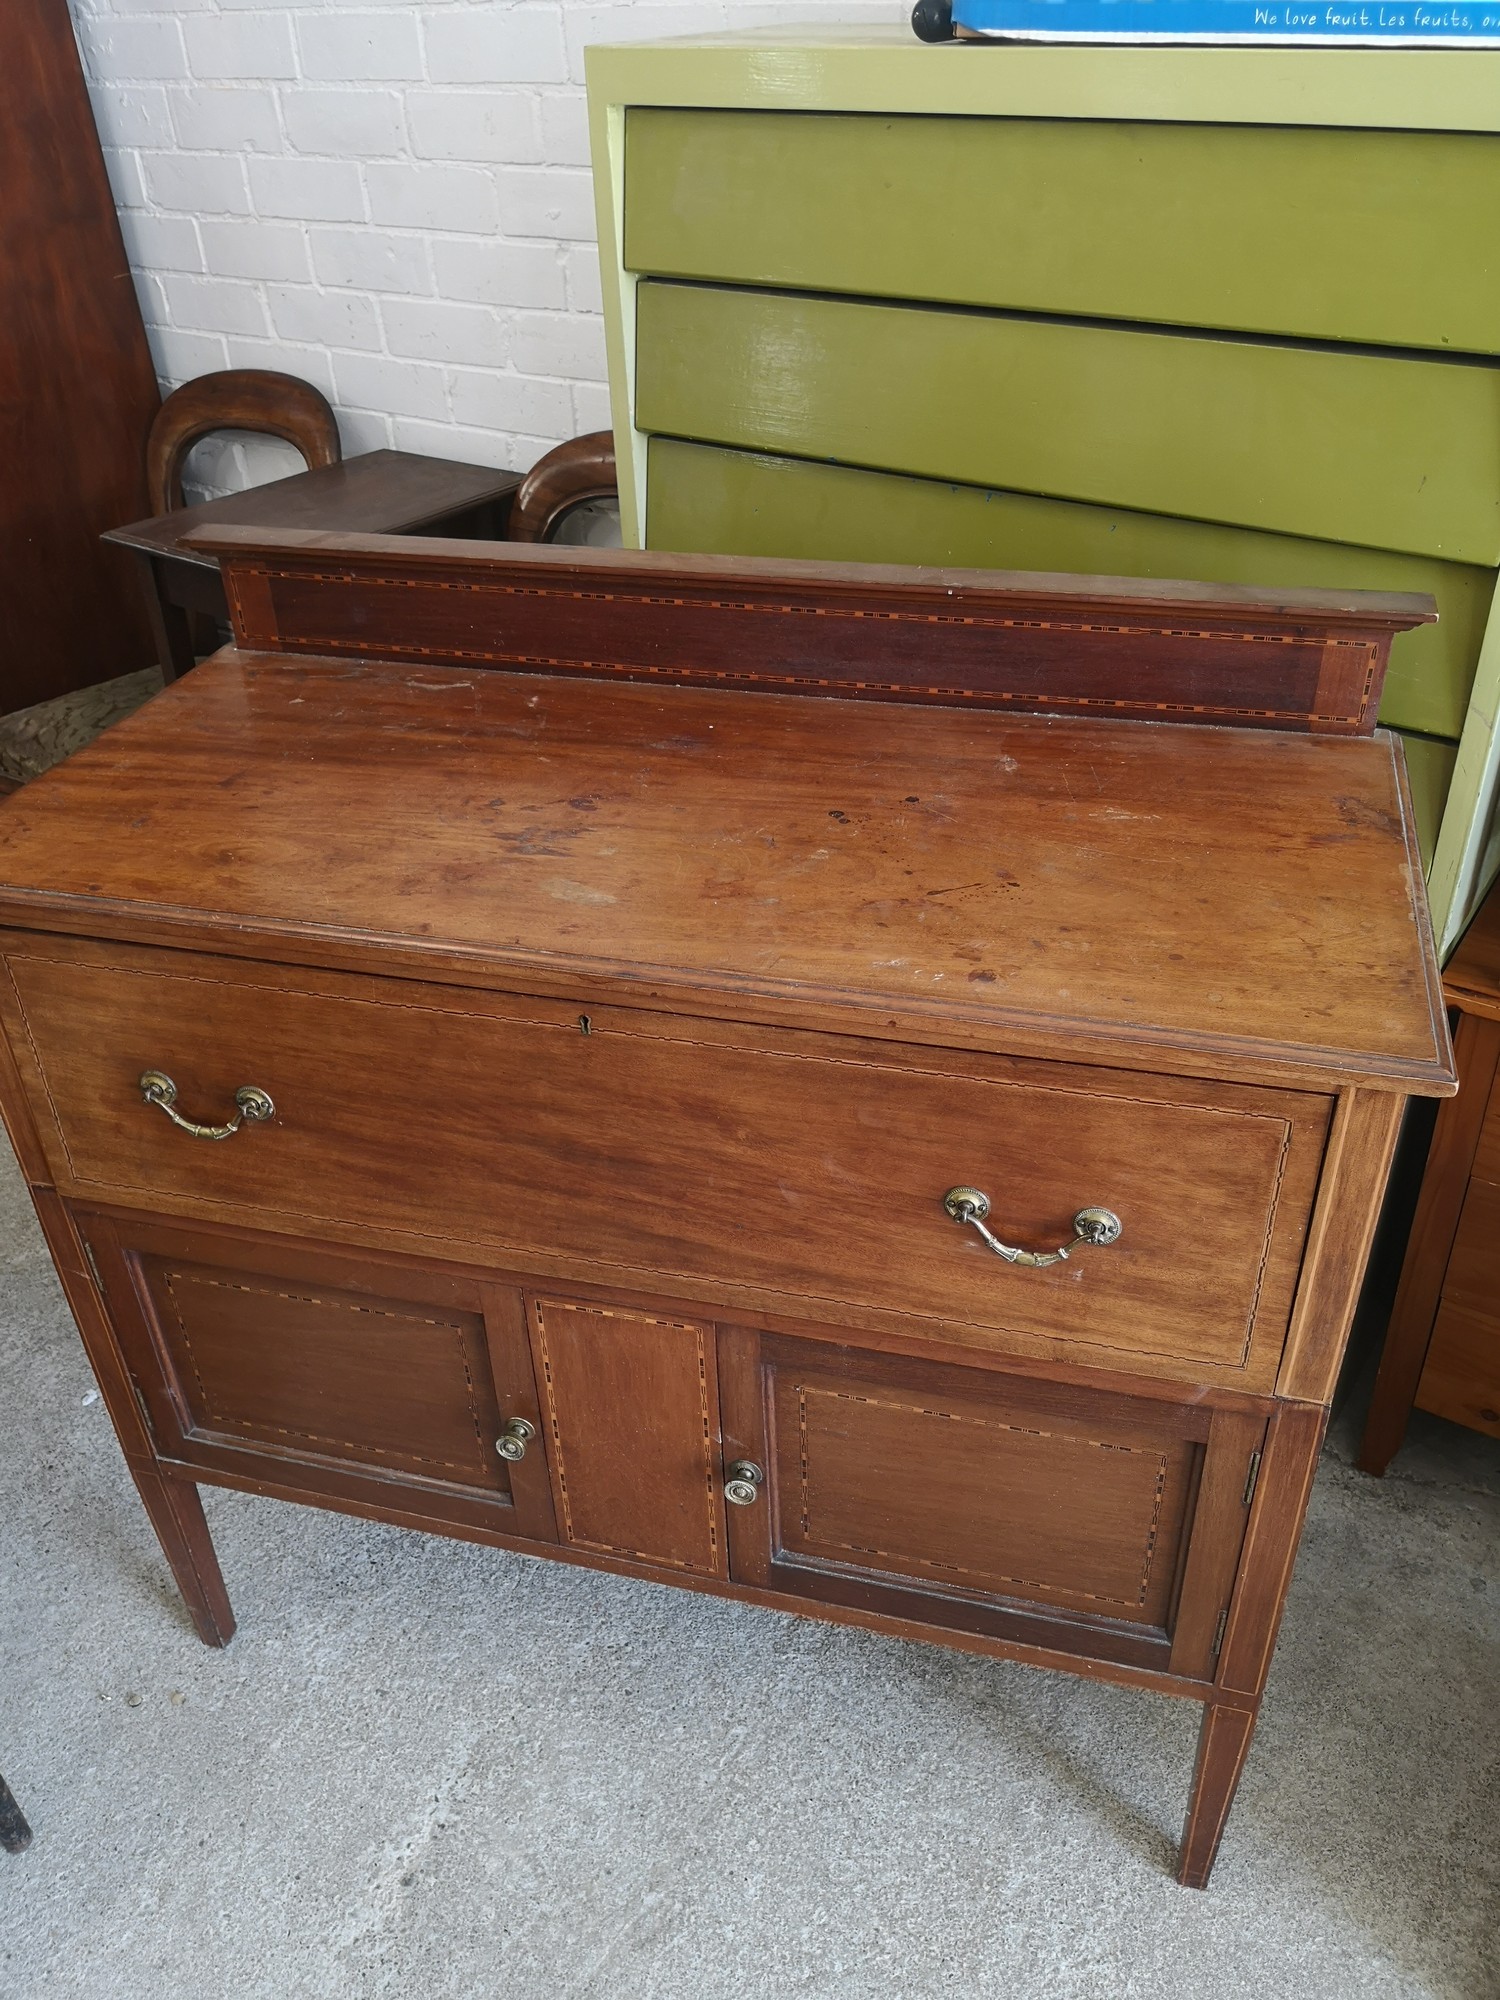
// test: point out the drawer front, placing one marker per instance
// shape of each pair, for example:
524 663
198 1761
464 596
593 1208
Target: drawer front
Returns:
338 1377
1330 235
704 500
1341 446
789 1171
1108 1522
631 1407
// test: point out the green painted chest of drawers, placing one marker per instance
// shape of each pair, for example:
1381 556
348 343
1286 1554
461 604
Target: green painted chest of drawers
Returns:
1231 315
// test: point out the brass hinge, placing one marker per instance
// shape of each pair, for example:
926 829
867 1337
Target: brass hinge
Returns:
88 1251
1219 1630
1250 1478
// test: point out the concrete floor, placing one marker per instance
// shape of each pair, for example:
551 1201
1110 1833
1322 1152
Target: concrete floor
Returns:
442 1772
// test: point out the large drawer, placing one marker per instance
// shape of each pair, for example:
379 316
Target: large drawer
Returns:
780 1171
1371 448
1330 235
705 500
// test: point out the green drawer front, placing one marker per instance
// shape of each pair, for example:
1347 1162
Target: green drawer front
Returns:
1388 452
714 502
1332 235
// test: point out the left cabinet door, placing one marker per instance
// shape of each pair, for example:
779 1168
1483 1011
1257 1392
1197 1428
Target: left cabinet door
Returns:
330 1375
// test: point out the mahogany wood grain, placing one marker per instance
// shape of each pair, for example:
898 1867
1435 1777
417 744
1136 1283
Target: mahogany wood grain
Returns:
176 1513
631 1406
966 1487
1471 978
168 1495
296 1354
1461 1374
918 1621
1004 1506
1277 1512
76 378
1487 1152
628 1037
384 1263
1221 1514
1032 886
1445 1184
1223 1745
1114 646
805 1176
1361 1147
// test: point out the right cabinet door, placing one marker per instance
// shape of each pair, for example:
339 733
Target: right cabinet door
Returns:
1082 1519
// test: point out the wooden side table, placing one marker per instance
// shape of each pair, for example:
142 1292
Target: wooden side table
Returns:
380 493
1442 1352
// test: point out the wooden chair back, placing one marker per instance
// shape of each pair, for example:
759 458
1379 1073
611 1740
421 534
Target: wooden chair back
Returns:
236 399
564 478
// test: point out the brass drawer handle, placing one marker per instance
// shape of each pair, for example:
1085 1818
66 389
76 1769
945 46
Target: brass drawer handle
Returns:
1098 1227
742 1483
254 1107
513 1440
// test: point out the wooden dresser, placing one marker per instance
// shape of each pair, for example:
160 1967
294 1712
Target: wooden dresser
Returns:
1442 1352
852 1090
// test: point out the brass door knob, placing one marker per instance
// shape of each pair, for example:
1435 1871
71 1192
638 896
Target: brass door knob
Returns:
513 1440
742 1483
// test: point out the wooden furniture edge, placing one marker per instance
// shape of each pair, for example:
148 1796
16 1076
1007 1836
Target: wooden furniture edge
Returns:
770 1004
1356 1167
1373 611
1445 1186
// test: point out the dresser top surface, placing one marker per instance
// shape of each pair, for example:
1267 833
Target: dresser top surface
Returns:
1240 902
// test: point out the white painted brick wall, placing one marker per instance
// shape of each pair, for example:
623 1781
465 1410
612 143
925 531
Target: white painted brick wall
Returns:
390 198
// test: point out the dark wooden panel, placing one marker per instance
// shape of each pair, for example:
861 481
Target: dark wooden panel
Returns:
1461 1375
385 492
375 1381
988 639
960 1495
77 385
328 1366
890 1481
1487 1151
631 1404
1445 1183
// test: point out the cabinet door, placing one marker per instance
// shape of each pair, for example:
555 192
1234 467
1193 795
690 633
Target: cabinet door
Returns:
331 1375
1079 1519
630 1402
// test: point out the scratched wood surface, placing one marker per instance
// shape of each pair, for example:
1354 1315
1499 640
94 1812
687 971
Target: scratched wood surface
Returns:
1075 886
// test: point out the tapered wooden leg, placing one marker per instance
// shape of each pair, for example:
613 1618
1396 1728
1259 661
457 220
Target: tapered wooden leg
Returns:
177 1516
1223 1744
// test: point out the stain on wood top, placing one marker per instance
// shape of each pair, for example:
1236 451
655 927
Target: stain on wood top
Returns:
1115 890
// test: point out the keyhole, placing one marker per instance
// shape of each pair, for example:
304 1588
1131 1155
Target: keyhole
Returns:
586 1024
